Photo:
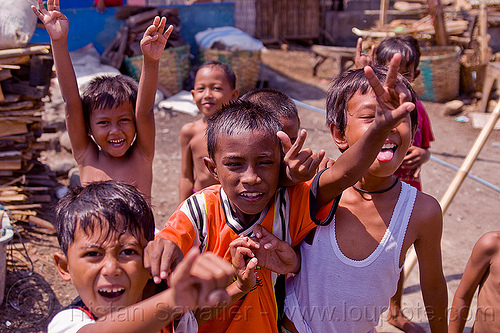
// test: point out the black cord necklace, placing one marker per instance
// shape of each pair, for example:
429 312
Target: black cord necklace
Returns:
376 192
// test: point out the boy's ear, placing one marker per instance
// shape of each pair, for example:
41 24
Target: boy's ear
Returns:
338 137
211 167
62 266
235 95
416 74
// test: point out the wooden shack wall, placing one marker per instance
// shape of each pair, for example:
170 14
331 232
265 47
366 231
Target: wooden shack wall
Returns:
287 19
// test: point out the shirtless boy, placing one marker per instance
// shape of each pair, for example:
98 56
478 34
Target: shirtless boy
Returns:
214 86
483 271
111 126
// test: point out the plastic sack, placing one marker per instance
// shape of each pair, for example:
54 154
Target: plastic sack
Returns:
17 23
233 38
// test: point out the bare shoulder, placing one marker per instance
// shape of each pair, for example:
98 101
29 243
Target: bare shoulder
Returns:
488 244
427 208
192 128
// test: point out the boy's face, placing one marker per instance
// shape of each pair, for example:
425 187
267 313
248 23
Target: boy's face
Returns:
409 71
361 113
107 274
248 166
212 90
113 129
291 127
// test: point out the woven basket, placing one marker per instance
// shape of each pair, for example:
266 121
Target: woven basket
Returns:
174 67
245 64
440 77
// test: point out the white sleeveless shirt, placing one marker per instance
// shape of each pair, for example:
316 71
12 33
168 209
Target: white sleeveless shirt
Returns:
333 293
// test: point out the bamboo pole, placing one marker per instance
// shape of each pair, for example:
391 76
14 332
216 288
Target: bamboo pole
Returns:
452 190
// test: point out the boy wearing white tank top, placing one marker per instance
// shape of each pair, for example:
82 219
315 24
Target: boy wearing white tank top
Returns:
350 267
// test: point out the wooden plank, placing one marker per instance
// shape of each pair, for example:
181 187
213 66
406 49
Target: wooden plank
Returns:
17 106
8 128
11 165
19 52
11 198
10 98
41 222
23 88
14 61
25 206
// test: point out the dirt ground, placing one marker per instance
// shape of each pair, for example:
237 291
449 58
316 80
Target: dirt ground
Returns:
31 301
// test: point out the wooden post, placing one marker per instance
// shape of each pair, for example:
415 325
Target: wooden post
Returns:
483 32
437 13
382 18
448 196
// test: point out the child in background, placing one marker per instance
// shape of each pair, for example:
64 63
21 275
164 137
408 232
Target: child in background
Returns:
111 126
102 230
350 268
419 152
245 155
282 104
483 270
288 114
214 86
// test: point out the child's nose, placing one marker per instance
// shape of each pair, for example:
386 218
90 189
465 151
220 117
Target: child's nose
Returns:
250 176
207 92
110 266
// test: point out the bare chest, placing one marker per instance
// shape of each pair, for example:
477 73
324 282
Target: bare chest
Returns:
132 169
361 226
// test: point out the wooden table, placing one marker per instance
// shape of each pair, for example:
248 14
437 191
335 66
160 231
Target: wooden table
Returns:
343 57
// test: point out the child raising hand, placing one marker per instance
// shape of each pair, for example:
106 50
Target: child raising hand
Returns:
111 126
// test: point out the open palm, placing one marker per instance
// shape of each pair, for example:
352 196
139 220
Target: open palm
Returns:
154 40
55 22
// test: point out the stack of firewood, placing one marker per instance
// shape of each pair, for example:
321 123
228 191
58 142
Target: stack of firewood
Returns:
127 40
25 75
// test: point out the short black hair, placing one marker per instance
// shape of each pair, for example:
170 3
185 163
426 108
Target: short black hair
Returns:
274 100
108 91
225 68
105 207
406 45
347 84
237 117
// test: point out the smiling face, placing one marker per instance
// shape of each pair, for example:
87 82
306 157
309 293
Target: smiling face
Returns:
361 113
107 273
113 129
247 165
212 90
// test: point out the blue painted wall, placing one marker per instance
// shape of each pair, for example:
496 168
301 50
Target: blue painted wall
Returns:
86 25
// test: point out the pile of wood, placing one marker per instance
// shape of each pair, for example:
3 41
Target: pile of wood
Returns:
127 40
25 75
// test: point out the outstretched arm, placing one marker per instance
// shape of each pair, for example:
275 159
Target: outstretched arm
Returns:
199 281
56 24
152 44
482 254
391 109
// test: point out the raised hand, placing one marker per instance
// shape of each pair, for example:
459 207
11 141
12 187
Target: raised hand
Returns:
362 59
392 97
155 38
300 164
55 22
201 280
